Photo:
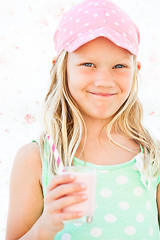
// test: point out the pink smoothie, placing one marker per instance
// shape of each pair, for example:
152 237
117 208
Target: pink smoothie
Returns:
87 207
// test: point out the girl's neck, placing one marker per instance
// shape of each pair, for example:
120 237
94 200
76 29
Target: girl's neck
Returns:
97 143
96 128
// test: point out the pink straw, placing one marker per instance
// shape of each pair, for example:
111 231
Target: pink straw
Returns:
56 154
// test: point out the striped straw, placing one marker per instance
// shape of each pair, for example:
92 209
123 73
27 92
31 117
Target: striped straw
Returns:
56 154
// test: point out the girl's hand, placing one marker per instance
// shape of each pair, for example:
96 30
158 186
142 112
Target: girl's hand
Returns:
60 193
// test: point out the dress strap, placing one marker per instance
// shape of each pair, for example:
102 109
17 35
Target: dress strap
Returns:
45 168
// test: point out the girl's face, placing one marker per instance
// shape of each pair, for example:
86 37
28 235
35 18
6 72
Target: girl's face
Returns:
100 76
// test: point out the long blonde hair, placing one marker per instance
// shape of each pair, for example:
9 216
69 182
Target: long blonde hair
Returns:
63 121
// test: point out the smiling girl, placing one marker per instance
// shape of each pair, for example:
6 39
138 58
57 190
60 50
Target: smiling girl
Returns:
94 117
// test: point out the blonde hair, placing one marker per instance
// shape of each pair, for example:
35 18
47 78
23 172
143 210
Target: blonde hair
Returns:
63 121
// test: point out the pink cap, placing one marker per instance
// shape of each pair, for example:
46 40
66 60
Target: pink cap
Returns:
94 18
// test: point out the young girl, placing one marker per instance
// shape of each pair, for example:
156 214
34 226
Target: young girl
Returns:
94 117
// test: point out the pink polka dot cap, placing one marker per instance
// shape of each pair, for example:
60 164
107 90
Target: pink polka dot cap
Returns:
94 18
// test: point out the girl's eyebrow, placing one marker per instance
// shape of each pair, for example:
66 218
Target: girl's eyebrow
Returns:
82 57
126 56
91 59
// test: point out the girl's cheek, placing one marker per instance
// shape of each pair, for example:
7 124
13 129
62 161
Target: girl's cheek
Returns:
124 76
126 73
125 83
84 71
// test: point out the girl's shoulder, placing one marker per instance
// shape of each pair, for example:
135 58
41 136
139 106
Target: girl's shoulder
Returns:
28 159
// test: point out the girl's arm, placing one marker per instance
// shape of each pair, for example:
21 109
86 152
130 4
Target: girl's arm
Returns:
158 194
30 216
158 202
26 199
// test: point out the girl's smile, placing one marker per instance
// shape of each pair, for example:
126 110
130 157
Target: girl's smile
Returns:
100 78
101 94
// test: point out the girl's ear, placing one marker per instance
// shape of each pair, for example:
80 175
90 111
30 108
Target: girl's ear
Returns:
138 66
54 60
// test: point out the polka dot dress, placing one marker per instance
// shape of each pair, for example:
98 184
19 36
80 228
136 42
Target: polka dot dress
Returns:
125 208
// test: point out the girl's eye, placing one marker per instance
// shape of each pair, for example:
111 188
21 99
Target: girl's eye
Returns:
119 66
88 64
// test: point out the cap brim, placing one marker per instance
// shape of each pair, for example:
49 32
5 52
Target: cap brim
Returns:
118 38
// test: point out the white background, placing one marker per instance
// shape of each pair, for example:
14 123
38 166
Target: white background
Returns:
26 52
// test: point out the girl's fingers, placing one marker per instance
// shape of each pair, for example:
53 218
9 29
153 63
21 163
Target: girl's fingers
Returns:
67 201
67 216
66 189
70 216
60 179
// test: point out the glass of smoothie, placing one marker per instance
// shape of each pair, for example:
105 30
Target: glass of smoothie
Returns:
87 176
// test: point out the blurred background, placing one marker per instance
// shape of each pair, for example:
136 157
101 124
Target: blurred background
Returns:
26 52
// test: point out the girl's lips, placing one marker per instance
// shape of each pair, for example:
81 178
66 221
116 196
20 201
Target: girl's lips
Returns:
102 94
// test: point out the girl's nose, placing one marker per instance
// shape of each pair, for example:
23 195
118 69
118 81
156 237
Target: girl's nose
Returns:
104 78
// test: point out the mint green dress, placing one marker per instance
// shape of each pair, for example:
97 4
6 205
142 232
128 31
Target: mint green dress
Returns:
125 208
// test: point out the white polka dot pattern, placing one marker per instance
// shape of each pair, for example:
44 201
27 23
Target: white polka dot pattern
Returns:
130 230
78 224
96 232
123 210
121 180
66 236
93 15
124 205
107 14
138 191
110 218
151 231
148 205
156 220
140 218
106 193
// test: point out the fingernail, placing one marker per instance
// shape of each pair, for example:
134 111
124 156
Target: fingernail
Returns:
83 186
84 197
71 176
80 214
